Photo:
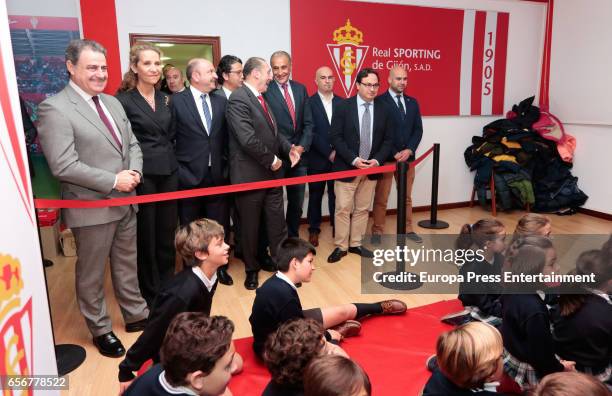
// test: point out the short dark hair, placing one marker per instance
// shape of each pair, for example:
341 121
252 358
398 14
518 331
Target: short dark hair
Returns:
335 375
76 46
292 248
225 66
194 342
363 73
291 347
252 64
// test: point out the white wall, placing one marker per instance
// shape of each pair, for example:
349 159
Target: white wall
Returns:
580 92
246 29
55 8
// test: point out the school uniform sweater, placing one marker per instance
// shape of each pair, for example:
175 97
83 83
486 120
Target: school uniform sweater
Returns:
483 295
439 385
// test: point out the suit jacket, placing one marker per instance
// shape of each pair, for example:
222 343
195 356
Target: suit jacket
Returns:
408 130
253 140
345 136
321 147
193 144
220 92
153 129
84 156
302 134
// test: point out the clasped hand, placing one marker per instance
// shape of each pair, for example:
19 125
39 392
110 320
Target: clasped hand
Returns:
127 180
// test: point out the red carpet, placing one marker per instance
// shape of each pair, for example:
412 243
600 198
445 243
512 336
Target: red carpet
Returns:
392 350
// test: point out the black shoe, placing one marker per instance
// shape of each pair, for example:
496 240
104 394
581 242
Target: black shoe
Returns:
252 280
267 264
413 236
360 250
109 345
299 284
136 326
376 239
224 277
336 255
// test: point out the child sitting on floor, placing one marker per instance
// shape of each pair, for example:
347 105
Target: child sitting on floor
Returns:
481 298
529 352
532 224
289 350
201 246
197 358
335 375
582 322
469 361
570 384
277 300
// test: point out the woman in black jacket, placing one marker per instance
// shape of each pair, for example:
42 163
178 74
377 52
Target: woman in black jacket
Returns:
149 113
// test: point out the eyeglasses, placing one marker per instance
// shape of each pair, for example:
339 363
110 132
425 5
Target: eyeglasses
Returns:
235 71
370 86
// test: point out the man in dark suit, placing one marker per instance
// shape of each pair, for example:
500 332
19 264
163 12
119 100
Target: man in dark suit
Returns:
256 148
88 142
362 136
322 153
408 130
229 74
287 99
201 147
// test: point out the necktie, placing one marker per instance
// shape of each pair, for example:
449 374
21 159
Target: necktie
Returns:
289 104
265 108
364 135
401 105
207 114
106 121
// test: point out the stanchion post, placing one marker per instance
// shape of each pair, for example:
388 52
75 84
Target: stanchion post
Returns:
402 172
433 222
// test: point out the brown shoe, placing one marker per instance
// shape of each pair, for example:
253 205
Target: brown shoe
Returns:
350 328
313 238
393 307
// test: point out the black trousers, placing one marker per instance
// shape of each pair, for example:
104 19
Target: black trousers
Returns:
157 223
214 207
315 200
251 205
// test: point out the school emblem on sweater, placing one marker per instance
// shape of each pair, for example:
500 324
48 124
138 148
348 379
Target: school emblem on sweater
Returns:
347 54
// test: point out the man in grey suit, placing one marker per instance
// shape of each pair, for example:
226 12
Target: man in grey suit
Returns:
256 148
89 145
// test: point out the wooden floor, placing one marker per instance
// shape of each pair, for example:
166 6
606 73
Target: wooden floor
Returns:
332 284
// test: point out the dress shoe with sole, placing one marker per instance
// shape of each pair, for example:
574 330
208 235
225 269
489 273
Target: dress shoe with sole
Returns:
109 345
336 255
393 307
350 328
414 237
313 238
252 280
360 250
136 326
224 276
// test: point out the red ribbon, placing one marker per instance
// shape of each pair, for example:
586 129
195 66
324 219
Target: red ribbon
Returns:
230 188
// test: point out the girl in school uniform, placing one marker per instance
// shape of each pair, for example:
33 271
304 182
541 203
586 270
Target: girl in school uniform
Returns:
529 352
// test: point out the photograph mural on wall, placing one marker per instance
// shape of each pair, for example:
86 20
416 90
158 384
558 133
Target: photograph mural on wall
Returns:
39 44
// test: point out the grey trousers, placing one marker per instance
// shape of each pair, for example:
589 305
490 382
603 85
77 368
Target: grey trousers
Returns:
95 244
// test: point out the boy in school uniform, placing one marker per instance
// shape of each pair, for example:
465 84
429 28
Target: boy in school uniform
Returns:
201 245
277 300
197 358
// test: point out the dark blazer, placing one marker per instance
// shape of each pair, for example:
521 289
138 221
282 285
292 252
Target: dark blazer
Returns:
321 147
183 293
153 129
439 385
408 130
276 302
253 141
193 144
302 135
344 134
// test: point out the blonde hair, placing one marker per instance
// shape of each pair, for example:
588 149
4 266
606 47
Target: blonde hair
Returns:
195 237
470 354
130 79
570 384
530 224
